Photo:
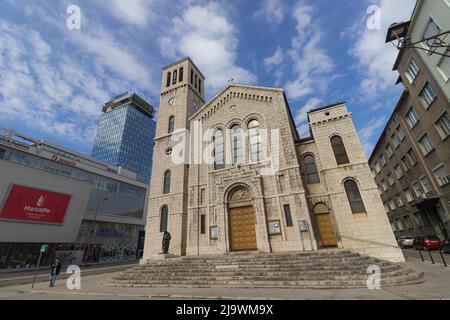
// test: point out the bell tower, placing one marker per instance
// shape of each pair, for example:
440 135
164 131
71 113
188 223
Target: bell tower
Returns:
182 94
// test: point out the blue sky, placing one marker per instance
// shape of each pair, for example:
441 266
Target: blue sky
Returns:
53 80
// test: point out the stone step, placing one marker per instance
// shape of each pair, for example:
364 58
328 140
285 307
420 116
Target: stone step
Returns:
330 269
307 284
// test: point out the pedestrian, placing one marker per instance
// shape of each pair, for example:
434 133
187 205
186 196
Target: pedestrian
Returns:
55 269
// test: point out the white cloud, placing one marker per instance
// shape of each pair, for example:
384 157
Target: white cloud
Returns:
274 59
301 116
273 11
205 34
375 57
367 133
311 64
136 12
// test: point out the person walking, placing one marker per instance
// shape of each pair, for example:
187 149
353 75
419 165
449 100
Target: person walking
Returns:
55 270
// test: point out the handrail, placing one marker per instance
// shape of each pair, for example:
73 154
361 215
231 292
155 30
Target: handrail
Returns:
370 241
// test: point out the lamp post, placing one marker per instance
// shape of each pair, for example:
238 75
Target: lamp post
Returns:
92 237
399 32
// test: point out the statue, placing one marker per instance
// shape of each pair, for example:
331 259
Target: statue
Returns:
165 242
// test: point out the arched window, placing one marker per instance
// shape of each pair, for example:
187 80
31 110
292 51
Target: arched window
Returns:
168 79
219 150
312 176
181 75
174 78
339 150
171 124
236 144
166 184
164 219
354 197
255 141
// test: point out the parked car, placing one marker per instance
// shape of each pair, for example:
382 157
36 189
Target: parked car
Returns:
429 242
405 242
446 246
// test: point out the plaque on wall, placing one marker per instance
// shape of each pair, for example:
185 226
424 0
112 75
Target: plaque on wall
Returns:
214 232
274 227
303 225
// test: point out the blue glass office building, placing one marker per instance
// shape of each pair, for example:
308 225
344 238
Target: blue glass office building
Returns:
125 135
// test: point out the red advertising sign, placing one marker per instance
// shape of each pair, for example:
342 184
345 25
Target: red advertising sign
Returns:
28 204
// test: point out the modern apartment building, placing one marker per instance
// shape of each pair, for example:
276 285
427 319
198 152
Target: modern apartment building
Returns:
410 162
125 135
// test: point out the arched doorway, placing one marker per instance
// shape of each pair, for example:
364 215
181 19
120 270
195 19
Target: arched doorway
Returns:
325 225
241 217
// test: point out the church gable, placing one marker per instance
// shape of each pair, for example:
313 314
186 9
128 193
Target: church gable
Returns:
235 93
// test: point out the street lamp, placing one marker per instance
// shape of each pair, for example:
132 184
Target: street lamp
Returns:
92 237
399 32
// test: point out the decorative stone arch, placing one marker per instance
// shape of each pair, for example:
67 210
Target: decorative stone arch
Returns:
255 116
232 122
253 198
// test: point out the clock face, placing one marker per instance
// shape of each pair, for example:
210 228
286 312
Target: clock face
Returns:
195 104
173 101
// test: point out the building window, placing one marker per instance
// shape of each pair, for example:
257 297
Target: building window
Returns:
444 66
426 145
417 190
418 219
431 30
408 194
339 150
171 124
399 200
354 197
391 204
398 171
427 95
441 173
412 157
174 78
383 159
404 164
412 117
386 207
195 81
312 176
2 153
287 214
390 179
166 187
399 225
181 74
199 85
255 141
412 70
425 184
408 222
443 125
395 140
377 167
401 132
236 144
192 77
219 150
163 219
168 79
202 195
202 224
384 186
389 150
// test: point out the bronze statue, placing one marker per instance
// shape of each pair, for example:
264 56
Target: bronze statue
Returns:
165 242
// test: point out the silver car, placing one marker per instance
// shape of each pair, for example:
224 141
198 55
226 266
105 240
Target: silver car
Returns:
405 242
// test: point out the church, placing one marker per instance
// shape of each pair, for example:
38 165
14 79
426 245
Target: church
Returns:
247 182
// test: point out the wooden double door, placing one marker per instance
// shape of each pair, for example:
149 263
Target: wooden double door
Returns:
242 228
326 230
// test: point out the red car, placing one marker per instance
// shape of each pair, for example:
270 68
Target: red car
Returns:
430 242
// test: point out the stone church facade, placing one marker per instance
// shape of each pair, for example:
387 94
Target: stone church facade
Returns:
316 193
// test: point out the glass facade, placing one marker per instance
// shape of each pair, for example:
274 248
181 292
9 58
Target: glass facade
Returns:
125 138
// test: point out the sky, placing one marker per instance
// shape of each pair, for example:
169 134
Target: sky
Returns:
54 79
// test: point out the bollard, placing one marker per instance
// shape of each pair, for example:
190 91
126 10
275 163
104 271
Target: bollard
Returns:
443 259
431 256
420 252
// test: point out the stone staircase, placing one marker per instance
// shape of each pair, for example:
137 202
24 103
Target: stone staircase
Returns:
309 270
